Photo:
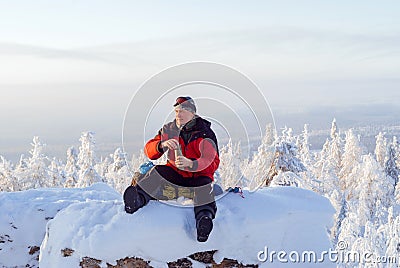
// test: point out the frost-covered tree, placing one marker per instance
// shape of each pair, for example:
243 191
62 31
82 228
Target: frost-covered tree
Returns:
286 157
335 148
304 147
119 160
270 136
370 242
118 174
380 148
229 167
374 188
103 166
37 165
396 146
86 161
256 170
391 168
321 160
57 174
350 166
324 170
21 172
329 161
7 180
391 231
380 214
350 229
339 202
32 172
71 168
309 180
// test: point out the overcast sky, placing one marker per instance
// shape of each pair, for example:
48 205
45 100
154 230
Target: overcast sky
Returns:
70 66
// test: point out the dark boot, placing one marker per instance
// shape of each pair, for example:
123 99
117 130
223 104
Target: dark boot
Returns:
133 199
204 225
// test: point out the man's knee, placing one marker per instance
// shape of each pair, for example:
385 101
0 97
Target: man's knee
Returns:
210 207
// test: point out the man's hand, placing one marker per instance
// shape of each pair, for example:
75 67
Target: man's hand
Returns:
181 162
171 144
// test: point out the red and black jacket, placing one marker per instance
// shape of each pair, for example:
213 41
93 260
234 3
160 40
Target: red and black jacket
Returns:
198 142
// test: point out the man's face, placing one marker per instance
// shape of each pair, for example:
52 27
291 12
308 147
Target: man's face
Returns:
183 116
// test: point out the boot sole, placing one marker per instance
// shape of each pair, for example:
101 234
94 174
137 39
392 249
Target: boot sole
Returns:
204 228
129 199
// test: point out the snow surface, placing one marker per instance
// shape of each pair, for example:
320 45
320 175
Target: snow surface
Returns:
24 215
93 223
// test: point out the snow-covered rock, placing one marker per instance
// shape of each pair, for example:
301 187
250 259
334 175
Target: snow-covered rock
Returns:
71 224
275 218
24 215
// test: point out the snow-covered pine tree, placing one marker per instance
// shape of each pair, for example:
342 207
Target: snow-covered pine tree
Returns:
391 167
7 180
329 161
304 147
285 160
21 172
391 231
321 160
380 215
350 167
374 186
350 229
308 177
57 174
34 173
119 160
229 167
335 148
103 166
381 148
71 168
396 146
324 171
370 242
256 169
118 173
86 161
340 204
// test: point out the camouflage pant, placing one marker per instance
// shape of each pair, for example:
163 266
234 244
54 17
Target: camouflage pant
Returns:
164 183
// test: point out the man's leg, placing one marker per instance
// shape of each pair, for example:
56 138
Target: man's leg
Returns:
150 187
205 207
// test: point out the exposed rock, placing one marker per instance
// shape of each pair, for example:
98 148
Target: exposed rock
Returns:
130 263
228 263
5 238
181 263
67 252
204 257
33 249
89 263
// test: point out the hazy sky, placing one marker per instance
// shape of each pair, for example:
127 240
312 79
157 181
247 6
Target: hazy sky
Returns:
70 66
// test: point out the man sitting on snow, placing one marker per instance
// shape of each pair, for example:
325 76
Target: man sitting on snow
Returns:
193 158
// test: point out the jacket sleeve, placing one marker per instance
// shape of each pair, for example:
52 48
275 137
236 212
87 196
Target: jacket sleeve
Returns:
152 149
208 162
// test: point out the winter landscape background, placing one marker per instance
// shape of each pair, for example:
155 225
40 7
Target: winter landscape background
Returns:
362 185
69 69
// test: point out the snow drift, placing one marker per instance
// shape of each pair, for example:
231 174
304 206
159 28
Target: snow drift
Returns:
91 222
282 218
24 215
